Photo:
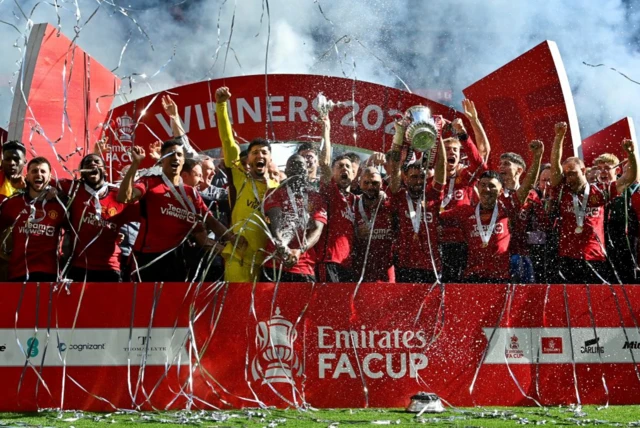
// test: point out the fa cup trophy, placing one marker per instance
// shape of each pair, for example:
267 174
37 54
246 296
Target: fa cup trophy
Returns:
324 106
421 131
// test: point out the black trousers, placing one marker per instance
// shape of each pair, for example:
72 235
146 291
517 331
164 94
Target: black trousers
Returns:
334 272
415 276
454 261
79 275
36 277
169 268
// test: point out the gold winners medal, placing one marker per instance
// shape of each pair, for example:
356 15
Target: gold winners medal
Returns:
416 237
485 244
579 229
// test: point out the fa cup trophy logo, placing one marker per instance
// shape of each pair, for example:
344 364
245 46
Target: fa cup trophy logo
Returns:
274 340
125 127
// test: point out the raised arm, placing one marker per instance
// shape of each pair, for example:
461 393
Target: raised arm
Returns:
537 149
396 158
631 174
556 154
325 153
171 109
127 193
440 173
481 140
230 148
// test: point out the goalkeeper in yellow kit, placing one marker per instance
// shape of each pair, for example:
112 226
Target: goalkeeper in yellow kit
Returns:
244 259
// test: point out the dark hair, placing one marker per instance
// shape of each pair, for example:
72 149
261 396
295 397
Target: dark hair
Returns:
545 166
189 164
414 165
170 143
491 175
339 158
14 145
306 146
84 159
38 161
514 158
259 142
354 157
243 154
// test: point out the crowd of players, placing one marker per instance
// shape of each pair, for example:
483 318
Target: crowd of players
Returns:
324 218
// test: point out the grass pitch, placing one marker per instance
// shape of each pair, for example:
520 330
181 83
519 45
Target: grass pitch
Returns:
334 418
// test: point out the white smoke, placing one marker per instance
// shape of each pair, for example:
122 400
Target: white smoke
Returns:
444 44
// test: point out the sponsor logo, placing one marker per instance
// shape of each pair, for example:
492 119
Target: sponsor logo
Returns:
551 345
23 212
167 195
592 346
348 214
513 350
634 344
62 347
3 348
253 203
274 340
37 229
144 346
94 220
32 347
384 353
179 213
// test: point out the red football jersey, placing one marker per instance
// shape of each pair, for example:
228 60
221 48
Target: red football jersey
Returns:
589 244
35 242
314 206
95 245
165 221
493 260
414 251
460 190
379 259
336 242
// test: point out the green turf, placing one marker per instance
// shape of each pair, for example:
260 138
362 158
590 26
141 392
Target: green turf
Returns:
476 417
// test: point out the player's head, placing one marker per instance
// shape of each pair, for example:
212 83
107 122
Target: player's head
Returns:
608 167
38 174
452 151
342 171
370 183
172 155
258 157
489 188
310 154
13 158
511 167
414 177
191 173
92 170
573 170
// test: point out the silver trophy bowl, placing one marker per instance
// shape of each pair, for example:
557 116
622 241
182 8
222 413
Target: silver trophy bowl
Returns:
421 130
323 105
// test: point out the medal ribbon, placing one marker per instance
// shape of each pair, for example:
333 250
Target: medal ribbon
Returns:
182 196
449 196
580 209
364 214
95 196
415 213
485 236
